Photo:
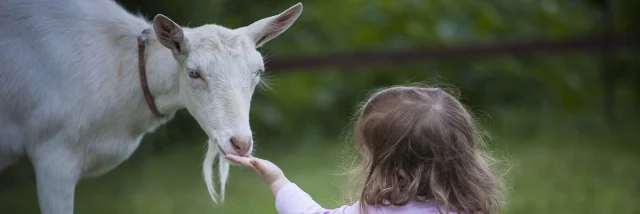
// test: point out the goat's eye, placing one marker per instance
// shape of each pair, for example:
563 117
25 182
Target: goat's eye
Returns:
194 74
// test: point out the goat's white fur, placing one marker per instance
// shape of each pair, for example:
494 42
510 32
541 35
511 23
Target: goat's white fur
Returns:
70 96
207 171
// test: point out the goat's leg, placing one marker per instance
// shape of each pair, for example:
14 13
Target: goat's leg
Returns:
56 176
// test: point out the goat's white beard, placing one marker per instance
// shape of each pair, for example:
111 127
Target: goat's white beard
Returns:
207 171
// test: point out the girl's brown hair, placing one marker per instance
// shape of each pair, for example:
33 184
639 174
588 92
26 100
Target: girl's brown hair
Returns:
421 144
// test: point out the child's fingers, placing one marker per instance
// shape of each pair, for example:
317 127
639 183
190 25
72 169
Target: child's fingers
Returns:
258 164
244 161
254 163
256 171
240 160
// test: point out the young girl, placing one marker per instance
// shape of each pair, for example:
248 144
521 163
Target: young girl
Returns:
420 150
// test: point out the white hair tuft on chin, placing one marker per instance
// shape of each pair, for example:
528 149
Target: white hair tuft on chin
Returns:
207 171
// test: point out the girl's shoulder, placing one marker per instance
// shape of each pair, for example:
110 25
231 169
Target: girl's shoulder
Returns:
290 199
413 207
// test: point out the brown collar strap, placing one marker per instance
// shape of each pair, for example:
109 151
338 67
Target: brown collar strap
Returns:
142 42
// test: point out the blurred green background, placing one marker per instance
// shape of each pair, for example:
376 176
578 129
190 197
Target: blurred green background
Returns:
566 123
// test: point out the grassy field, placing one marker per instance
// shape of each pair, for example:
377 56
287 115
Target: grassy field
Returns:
552 171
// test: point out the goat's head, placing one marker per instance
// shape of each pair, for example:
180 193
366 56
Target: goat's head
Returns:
219 70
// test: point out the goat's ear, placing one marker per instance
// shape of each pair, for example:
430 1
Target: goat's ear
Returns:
169 33
268 28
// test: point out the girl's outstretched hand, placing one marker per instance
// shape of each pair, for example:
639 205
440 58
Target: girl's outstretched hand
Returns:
271 174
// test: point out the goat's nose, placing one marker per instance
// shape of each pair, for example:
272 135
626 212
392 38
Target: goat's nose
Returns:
241 144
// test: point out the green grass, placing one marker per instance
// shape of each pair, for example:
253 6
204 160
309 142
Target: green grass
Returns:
554 171
574 180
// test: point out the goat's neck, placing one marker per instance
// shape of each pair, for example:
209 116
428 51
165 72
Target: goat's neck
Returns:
162 81
163 78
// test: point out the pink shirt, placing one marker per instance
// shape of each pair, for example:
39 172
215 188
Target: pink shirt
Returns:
292 200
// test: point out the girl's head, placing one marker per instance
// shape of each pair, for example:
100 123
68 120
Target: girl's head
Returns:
420 144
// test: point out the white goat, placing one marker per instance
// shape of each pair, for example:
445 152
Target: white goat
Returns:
76 100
